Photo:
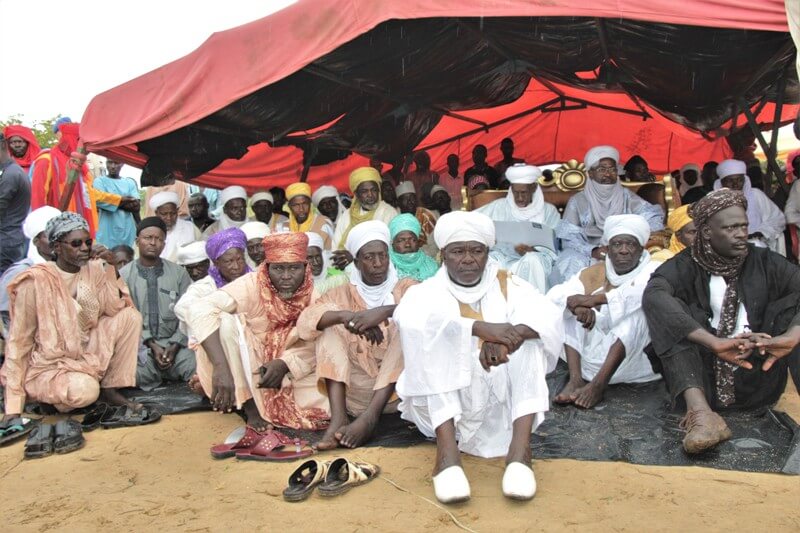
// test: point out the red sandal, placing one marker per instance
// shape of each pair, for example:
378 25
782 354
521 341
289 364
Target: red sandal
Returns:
237 441
275 446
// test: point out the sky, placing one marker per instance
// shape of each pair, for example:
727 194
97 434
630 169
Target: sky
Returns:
109 43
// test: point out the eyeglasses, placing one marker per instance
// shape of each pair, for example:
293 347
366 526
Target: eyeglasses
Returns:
76 243
605 170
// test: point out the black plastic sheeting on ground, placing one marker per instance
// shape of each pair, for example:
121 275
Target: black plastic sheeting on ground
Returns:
633 424
389 87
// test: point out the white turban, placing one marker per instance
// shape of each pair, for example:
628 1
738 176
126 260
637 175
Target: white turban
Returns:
326 191
366 232
37 219
315 240
162 198
257 197
731 167
463 226
405 187
597 153
690 166
192 253
255 230
634 225
437 188
231 193
523 174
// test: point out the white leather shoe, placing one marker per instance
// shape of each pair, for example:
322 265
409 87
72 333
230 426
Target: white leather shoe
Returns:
451 485
519 482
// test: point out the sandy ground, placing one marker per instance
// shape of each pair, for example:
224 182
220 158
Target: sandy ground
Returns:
161 476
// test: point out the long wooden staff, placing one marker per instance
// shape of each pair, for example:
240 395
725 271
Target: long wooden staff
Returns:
75 168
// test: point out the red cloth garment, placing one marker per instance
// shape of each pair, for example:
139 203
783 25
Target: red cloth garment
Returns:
282 315
17 130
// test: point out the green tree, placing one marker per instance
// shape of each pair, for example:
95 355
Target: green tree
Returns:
42 129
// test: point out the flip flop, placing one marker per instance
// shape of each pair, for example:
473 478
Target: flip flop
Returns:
240 439
40 442
343 475
124 416
272 447
303 480
68 436
15 429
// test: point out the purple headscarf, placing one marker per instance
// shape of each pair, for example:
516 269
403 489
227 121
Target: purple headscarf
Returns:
221 242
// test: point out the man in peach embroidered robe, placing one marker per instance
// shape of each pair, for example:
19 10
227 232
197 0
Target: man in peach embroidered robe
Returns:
249 355
74 332
357 345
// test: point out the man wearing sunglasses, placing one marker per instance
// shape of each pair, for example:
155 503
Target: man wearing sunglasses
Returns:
74 335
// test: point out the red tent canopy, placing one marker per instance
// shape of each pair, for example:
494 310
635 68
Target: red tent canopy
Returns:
326 78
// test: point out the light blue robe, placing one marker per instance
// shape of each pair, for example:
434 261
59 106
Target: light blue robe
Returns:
116 226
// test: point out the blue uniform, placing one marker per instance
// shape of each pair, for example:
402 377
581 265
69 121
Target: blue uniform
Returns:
116 226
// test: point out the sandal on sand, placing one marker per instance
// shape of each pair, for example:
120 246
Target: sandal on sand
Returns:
15 428
343 475
124 416
92 419
240 439
303 480
68 436
40 442
273 446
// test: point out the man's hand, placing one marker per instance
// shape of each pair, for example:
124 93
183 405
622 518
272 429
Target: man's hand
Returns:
777 348
585 316
734 351
223 395
101 252
374 335
272 374
599 253
493 354
341 258
364 320
523 249
170 353
580 300
504 334
158 354
130 203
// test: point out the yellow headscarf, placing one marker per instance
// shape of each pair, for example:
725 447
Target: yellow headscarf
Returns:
299 189
357 177
676 221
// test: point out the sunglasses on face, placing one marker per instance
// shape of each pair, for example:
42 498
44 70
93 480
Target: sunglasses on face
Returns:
76 243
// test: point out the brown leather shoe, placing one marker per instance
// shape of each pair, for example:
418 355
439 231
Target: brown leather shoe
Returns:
704 430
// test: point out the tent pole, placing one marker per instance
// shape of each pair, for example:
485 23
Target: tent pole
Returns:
771 163
776 124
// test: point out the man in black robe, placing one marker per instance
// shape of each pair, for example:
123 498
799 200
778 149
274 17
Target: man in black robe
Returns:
724 321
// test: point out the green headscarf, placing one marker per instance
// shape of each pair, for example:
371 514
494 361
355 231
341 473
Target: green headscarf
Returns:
417 265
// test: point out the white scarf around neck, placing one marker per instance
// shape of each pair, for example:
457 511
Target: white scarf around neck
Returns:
375 295
533 212
604 200
470 295
617 280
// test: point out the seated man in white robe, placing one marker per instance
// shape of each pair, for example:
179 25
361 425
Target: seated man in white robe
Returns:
234 210
255 232
179 231
524 203
767 221
325 276
194 259
581 227
477 343
604 325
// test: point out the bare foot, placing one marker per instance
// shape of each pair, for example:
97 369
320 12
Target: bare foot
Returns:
114 397
589 395
568 393
356 432
329 441
195 386
254 419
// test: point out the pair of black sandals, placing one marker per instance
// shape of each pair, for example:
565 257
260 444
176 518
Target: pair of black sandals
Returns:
66 435
62 437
